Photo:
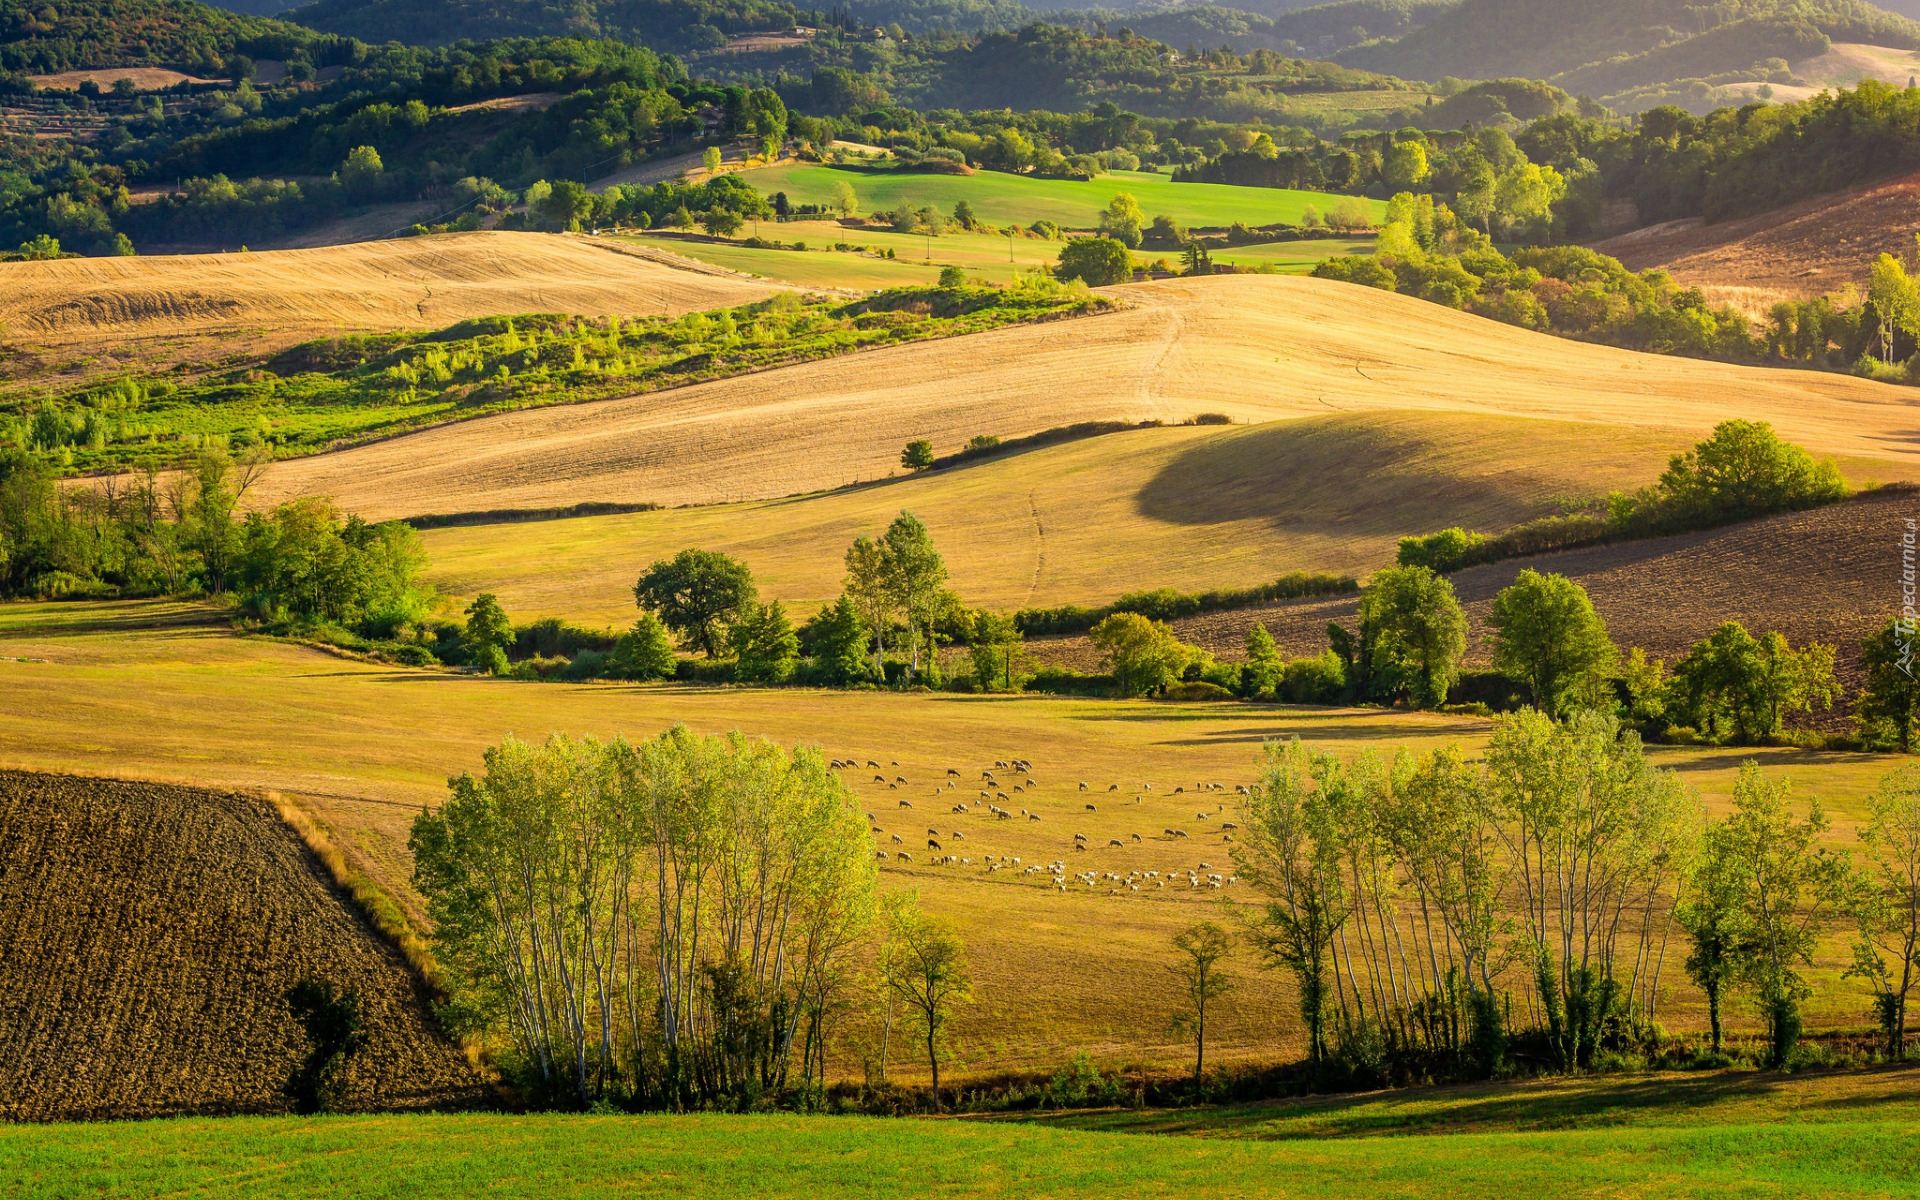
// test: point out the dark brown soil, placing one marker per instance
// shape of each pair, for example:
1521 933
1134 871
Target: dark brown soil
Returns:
147 936
1830 575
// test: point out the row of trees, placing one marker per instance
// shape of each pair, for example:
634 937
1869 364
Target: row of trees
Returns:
1412 899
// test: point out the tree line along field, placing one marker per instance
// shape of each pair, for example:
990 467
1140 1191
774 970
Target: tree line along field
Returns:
1005 199
147 933
1660 594
363 746
1250 347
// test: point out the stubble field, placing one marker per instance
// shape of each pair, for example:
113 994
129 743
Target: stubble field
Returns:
1251 347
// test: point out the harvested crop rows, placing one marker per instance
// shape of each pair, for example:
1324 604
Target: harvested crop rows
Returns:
1253 347
147 936
404 284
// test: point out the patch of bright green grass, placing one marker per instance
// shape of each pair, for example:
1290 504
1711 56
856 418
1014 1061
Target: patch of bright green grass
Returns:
1075 204
695 1157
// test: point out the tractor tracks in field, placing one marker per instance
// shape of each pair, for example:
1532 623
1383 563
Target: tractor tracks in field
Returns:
1039 549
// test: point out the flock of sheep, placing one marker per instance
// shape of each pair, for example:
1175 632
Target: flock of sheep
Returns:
997 800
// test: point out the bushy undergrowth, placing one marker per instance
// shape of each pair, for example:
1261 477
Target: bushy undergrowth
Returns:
1167 604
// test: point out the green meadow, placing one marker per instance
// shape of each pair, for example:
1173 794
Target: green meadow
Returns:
1074 204
1733 1133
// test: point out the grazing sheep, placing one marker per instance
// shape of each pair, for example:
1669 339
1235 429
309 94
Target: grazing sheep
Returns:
881 855
896 762
1002 796
898 840
1179 833
893 787
1113 787
871 817
959 836
1136 837
1202 816
1007 816
1033 816
1115 842
906 804
986 795
1079 837
1228 825
1147 787
932 845
1178 790
959 808
903 856
999 762
1083 785
899 778
873 764
953 772
1079 845
1241 789
879 778
933 833
1090 808
1169 832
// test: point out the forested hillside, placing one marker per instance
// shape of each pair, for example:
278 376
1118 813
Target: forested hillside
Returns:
679 26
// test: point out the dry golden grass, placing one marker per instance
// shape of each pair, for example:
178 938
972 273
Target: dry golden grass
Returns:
1255 347
1084 522
406 283
155 691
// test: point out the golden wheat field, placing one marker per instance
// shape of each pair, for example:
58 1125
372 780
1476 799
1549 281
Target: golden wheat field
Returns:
363 746
1252 347
408 283
1086 521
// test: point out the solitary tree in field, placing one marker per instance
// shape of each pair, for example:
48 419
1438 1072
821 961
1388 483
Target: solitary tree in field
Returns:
842 199
765 648
1548 637
643 652
1714 915
1264 666
1892 697
1202 949
930 977
1097 261
1122 220
489 633
1412 633
918 455
1885 903
721 222
1143 655
999 655
697 594
1790 886
710 158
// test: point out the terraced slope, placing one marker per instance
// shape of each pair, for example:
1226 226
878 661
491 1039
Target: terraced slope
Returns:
1254 347
147 936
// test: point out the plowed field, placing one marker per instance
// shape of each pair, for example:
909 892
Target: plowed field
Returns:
147 936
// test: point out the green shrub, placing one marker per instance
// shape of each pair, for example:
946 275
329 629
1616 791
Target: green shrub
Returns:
1196 690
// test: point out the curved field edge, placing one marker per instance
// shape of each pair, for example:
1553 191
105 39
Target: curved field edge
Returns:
780 1156
1253 347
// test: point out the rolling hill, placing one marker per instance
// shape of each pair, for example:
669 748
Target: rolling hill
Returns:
409 283
177 918
1814 247
1252 347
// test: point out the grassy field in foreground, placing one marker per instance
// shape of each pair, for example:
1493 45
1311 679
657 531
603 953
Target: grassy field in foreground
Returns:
1843 1135
159 691
1073 204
